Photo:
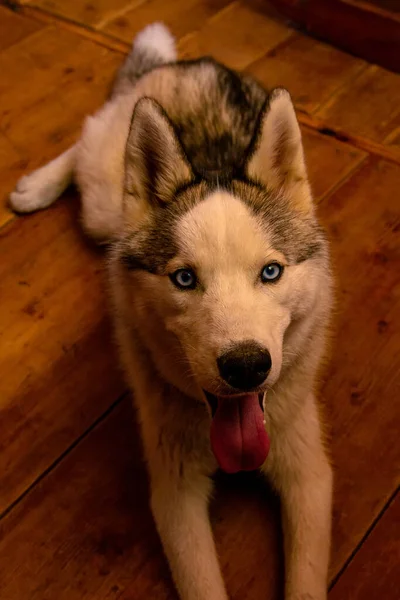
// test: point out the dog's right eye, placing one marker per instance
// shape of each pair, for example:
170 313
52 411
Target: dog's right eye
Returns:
184 279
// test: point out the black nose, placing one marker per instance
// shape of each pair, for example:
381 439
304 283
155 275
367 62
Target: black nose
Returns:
245 366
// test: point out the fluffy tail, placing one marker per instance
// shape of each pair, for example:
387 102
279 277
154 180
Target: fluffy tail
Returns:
152 47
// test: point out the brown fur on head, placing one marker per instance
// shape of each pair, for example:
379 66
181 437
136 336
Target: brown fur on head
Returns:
224 231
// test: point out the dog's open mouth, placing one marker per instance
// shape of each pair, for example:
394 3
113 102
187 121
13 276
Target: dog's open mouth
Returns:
238 436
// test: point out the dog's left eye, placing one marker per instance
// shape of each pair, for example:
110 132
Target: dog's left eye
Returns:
185 279
271 272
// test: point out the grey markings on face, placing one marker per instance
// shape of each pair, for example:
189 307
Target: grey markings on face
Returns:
152 247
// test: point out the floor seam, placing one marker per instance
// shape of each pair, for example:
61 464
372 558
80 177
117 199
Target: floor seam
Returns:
340 182
364 538
48 470
369 146
85 31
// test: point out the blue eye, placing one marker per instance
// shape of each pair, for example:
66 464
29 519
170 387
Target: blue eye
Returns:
271 272
184 279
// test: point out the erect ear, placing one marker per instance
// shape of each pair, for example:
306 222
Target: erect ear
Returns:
155 164
276 158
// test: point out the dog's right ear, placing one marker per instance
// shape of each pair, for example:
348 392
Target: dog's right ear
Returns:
155 163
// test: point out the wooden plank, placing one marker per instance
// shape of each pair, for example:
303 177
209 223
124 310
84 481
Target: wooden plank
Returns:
181 17
14 28
369 107
291 64
390 151
59 370
82 69
363 221
87 12
82 30
237 35
86 530
41 119
329 162
374 571
369 35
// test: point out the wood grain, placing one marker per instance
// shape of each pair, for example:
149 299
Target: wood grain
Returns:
329 161
80 29
64 90
369 106
88 12
390 151
59 369
290 66
181 17
237 35
374 571
363 222
14 28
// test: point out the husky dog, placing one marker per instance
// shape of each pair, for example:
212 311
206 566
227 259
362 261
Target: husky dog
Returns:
219 272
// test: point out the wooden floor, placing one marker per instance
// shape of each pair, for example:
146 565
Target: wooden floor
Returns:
73 491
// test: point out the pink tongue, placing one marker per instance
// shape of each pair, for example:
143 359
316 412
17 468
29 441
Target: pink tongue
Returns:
238 437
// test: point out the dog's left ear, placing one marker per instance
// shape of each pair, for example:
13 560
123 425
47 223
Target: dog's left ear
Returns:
276 158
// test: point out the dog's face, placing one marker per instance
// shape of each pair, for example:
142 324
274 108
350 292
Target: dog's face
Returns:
226 297
224 269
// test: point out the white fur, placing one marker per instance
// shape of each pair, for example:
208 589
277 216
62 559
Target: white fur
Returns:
156 38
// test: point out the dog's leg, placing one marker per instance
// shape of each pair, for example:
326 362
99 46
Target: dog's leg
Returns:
42 187
303 476
180 509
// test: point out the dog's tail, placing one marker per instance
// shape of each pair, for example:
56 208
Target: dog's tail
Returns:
152 47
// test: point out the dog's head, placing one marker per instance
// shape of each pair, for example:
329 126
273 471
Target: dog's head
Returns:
225 269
